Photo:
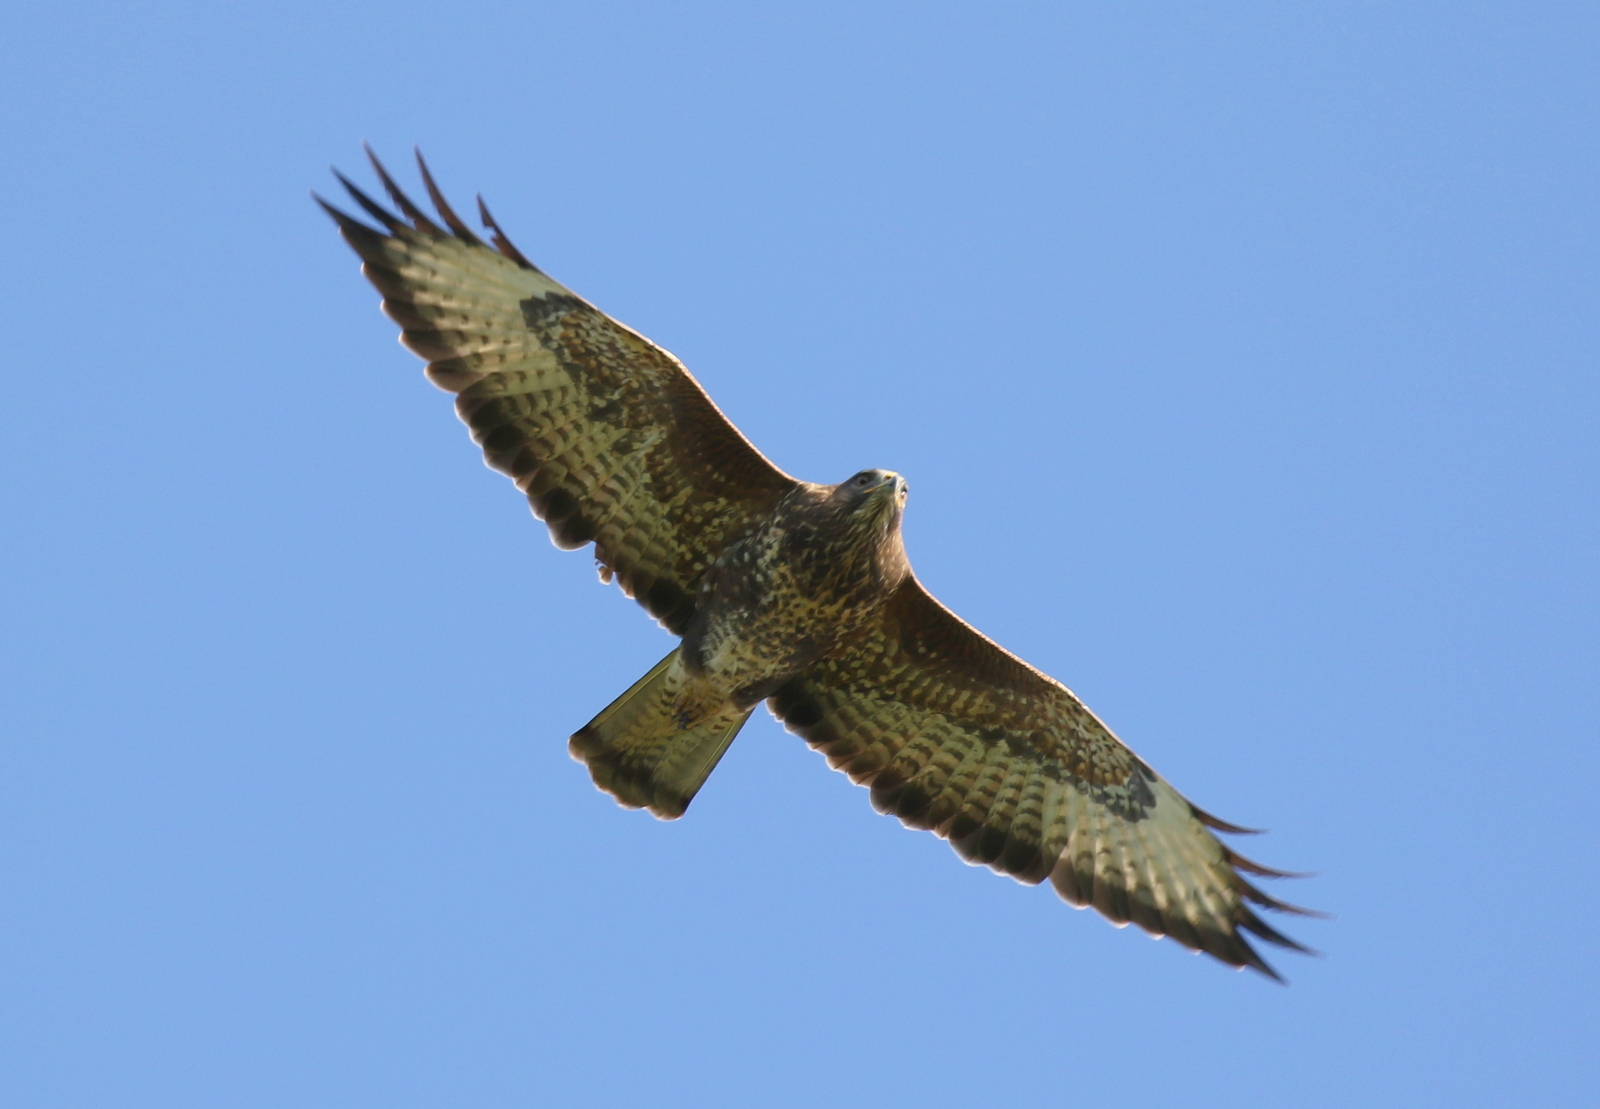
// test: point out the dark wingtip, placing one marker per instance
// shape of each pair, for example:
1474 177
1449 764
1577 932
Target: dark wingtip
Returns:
501 243
1250 866
1265 969
366 242
1253 924
338 217
377 211
419 219
1222 825
1232 949
1266 900
446 213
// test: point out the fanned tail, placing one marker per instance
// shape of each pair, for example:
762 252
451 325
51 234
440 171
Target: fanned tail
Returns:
638 752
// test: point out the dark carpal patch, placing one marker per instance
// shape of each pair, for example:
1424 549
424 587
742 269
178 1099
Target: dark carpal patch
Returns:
1133 800
538 311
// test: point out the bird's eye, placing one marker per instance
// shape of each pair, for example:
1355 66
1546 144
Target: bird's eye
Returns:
863 479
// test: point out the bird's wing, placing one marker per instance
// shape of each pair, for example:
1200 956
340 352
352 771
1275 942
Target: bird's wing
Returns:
957 736
606 433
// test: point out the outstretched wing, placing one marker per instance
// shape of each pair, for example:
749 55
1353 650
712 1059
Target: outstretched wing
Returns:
959 737
606 433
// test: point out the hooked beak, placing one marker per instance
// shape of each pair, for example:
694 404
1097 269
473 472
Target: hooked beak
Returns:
890 491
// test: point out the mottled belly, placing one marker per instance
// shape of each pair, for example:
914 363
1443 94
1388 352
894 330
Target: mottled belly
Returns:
748 655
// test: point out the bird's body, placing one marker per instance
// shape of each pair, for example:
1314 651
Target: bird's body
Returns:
801 584
787 592
800 587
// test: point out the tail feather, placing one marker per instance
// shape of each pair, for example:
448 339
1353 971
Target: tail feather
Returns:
638 752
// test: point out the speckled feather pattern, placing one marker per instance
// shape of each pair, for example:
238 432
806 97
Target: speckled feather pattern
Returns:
608 435
804 582
614 443
956 736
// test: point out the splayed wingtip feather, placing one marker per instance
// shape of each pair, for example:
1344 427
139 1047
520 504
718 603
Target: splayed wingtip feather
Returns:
1250 866
419 219
501 242
1219 825
1267 901
393 223
446 213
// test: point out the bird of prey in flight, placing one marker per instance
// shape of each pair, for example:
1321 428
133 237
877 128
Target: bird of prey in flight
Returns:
788 592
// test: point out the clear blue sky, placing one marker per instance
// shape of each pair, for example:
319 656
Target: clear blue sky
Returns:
1242 359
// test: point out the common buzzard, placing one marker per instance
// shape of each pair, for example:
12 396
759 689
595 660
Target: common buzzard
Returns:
787 592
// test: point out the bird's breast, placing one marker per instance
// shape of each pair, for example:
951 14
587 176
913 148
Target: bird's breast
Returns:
775 603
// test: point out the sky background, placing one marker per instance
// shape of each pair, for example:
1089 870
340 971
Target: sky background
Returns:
1242 360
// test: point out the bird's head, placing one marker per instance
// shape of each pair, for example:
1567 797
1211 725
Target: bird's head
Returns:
876 497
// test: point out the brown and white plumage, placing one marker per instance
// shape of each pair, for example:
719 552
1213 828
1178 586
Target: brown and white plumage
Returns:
613 442
955 735
627 452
